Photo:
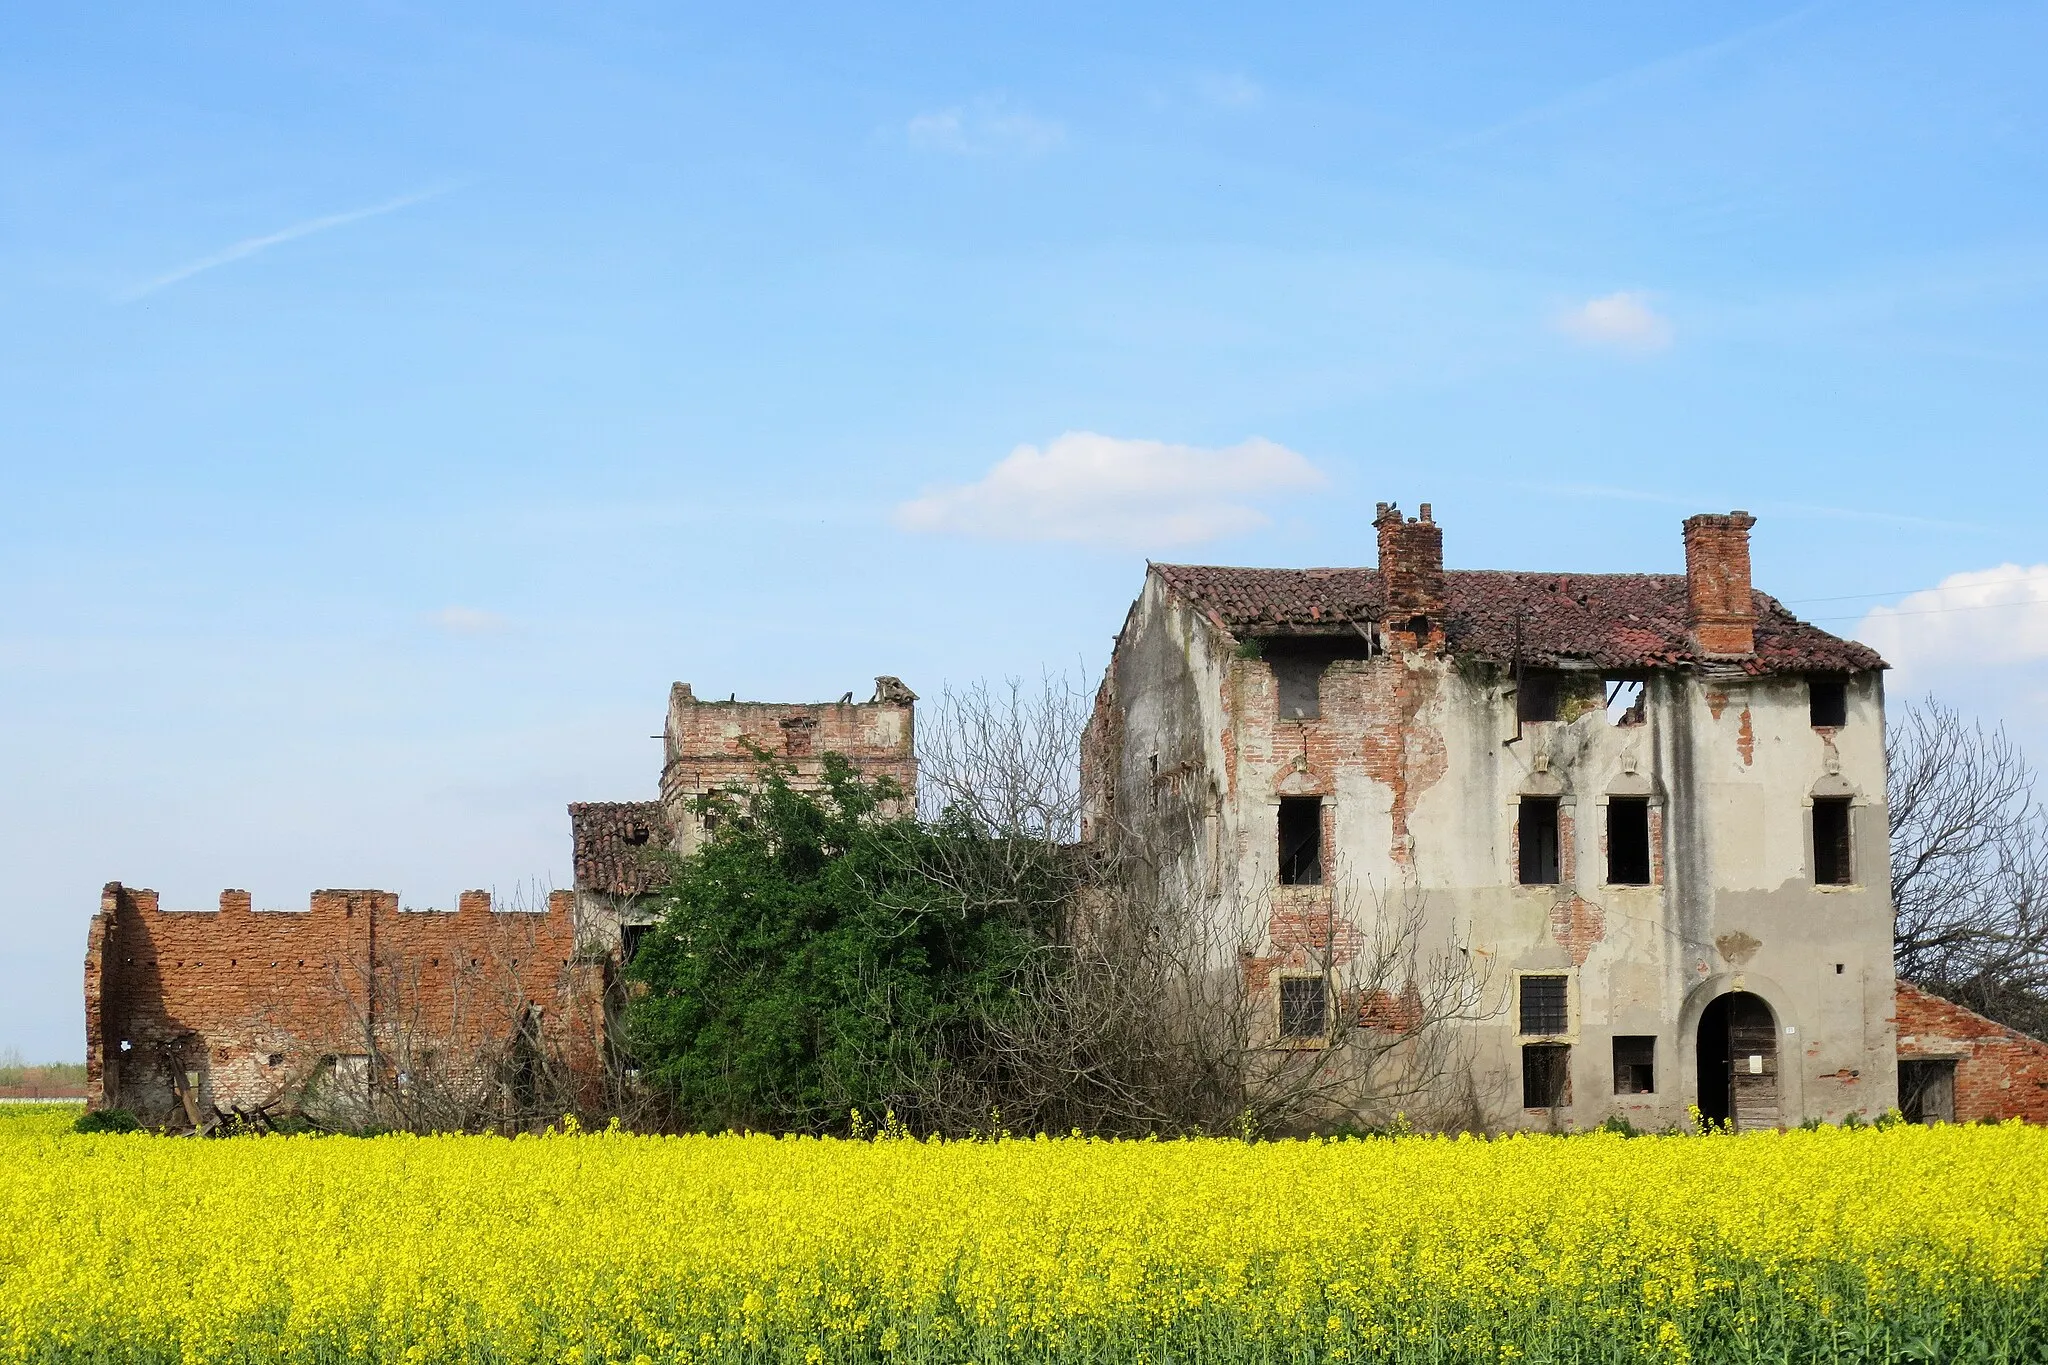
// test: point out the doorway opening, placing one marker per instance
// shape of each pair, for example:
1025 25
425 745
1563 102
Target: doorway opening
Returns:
1738 1063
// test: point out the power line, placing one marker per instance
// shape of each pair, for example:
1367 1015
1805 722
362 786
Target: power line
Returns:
1936 611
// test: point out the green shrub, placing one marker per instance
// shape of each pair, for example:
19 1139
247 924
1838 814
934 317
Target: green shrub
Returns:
107 1121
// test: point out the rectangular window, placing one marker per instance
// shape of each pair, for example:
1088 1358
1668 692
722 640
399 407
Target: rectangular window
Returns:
1927 1090
630 936
1635 1065
1546 1075
1536 696
1304 1009
1301 840
1831 844
1827 698
1537 837
1545 1006
1300 684
1628 841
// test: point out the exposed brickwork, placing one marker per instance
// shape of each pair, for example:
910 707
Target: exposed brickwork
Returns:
2001 1073
1411 562
253 1001
715 746
1724 611
1576 924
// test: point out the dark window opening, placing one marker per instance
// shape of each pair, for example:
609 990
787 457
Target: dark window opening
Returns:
630 937
1418 626
1635 1065
1300 680
1304 1008
1624 701
1301 840
1536 696
1546 1075
1831 850
1927 1090
1537 837
1828 701
637 835
1628 841
1545 1006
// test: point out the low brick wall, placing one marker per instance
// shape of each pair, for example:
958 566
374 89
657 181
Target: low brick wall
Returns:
2001 1073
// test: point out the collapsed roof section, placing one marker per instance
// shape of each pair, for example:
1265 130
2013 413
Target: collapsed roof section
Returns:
1549 620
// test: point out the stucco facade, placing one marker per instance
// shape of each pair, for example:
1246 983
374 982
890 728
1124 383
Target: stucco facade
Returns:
1655 734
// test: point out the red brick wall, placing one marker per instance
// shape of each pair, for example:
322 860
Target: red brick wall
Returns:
252 1000
2000 1072
1718 581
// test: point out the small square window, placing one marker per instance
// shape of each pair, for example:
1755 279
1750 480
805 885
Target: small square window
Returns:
1628 841
1536 696
1832 864
1546 1075
1536 835
1545 1006
1635 1065
1301 840
1304 1009
1827 699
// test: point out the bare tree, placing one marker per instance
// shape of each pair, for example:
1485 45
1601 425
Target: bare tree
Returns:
1166 996
1969 864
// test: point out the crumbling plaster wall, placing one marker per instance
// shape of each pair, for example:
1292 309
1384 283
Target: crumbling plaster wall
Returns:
1422 791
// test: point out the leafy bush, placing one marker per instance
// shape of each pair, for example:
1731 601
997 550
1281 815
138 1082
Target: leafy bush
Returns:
817 956
107 1121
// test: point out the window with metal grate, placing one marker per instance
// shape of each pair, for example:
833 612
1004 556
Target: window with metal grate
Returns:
1544 1001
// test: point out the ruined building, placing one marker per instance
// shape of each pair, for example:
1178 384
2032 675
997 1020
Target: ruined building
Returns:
711 746
1644 812
190 1013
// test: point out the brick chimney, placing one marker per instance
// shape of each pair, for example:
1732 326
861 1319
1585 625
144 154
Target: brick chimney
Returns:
1411 563
1717 581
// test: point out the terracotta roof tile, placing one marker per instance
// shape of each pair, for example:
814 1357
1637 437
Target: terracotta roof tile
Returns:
1627 621
616 843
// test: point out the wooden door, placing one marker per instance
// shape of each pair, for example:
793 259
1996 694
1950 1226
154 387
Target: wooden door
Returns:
1753 1052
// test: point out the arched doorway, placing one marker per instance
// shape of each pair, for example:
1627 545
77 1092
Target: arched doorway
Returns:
1738 1061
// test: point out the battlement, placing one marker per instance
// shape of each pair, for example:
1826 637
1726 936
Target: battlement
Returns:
243 1003
330 902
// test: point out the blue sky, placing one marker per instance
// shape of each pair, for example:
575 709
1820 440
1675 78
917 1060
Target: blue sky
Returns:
394 399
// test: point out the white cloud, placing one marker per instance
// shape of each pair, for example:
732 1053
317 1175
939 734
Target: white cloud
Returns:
467 621
1624 320
985 127
1972 620
1106 490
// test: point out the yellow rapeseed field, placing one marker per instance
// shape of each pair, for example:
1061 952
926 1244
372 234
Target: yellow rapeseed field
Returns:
1908 1243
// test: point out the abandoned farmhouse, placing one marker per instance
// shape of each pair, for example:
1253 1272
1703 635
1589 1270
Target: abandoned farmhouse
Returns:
1644 812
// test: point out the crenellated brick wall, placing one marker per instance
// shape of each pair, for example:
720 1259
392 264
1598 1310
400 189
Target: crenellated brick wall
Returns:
188 1010
2001 1073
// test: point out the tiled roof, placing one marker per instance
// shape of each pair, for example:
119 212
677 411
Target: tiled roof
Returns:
1547 619
615 844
